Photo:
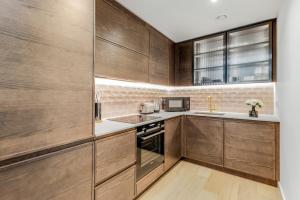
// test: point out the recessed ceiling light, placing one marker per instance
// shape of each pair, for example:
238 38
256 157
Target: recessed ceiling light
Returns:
221 17
214 1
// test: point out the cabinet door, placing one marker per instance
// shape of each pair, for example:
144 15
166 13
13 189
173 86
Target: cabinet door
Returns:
158 58
204 139
114 154
46 74
116 25
63 175
184 64
120 187
250 147
172 142
122 44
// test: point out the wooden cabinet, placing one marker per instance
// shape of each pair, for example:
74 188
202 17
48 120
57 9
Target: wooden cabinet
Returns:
63 175
122 43
159 58
120 187
117 25
204 139
46 74
251 147
150 178
184 64
114 154
172 142
127 48
113 61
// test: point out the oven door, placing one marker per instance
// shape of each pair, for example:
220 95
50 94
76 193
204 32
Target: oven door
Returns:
150 152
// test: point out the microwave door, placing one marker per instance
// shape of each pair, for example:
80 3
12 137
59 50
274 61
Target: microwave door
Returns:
175 104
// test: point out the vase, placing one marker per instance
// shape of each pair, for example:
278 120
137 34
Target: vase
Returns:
253 112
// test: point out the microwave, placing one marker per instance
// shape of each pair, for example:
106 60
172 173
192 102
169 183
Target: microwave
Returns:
176 104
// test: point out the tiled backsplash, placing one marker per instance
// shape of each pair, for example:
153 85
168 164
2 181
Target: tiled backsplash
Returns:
120 100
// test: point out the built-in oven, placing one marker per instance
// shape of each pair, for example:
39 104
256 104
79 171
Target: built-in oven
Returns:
176 104
150 147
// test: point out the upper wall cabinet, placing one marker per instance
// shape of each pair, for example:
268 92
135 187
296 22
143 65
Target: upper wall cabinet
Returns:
159 58
241 55
249 54
127 48
117 26
184 64
46 87
209 60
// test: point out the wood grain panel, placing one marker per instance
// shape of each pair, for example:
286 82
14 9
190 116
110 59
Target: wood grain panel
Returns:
113 61
114 154
204 139
184 64
46 60
250 147
62 175
172 142
158 58
150 178
120 187
171 63
116 25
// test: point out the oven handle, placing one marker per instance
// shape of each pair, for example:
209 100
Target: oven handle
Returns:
151 136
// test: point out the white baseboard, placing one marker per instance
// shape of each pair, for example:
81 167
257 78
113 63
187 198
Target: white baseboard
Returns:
281 191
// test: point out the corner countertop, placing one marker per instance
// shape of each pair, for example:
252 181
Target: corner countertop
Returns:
107 127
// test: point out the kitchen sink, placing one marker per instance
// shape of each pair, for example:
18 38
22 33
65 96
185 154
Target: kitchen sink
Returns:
209 113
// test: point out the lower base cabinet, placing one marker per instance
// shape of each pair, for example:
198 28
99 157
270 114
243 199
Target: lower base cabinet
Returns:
120 187
172 142
204 139
252 148
62 175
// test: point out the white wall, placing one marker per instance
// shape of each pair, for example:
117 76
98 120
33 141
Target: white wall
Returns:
289 96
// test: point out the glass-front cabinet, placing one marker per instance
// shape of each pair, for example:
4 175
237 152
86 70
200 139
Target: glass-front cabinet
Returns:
209 61
238 56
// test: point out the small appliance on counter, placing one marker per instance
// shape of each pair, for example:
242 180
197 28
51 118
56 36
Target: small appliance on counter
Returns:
176 104
147 108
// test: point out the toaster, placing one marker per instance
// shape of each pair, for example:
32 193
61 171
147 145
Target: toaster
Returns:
147 108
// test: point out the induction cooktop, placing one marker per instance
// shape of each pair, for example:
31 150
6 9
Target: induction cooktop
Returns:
134 119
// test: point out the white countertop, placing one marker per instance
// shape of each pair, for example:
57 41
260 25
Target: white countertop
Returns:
107 127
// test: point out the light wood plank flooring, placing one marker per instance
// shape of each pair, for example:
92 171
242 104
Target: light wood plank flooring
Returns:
188 181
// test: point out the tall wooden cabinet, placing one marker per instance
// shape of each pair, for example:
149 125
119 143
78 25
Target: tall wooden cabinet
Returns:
46 87
64 175
172 142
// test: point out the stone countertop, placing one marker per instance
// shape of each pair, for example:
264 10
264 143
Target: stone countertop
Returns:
107 127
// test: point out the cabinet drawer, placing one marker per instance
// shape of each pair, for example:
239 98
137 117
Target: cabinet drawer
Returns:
250 147
146 181
114 154
120 187
64 175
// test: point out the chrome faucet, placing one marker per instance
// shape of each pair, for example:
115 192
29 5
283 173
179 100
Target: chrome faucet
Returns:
211 105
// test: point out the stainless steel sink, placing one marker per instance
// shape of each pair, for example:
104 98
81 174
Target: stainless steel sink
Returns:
209 113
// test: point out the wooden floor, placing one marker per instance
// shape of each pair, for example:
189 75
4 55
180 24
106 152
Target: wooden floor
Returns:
188 181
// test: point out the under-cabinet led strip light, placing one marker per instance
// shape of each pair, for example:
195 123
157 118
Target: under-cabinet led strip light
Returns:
109 82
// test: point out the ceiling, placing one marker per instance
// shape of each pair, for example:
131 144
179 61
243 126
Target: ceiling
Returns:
186 19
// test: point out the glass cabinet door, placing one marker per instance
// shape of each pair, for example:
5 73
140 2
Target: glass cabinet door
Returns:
249 55
209 60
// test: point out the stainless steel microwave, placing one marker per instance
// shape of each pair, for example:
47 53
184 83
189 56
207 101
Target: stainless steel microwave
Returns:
176 104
